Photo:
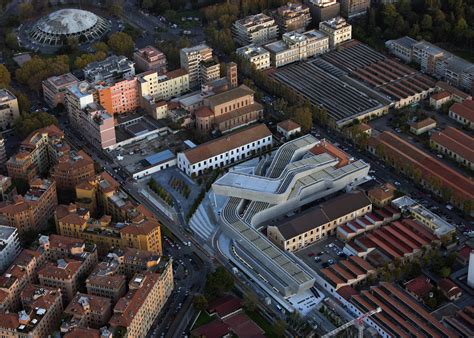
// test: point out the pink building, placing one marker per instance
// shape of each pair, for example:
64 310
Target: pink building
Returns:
120 97
98 126
150 58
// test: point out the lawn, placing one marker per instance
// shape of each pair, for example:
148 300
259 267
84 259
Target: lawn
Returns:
203 319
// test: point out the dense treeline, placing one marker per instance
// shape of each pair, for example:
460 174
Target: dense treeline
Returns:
437 21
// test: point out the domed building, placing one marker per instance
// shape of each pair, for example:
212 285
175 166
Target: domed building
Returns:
55 28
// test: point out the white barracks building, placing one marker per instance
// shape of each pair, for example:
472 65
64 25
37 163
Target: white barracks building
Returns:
225 150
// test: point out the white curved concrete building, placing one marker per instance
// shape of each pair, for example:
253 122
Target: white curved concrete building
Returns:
55 28
295 176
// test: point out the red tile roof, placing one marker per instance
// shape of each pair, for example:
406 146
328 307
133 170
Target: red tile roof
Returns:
327 147
419 286
424 123
456 141
346 292
288 125
464 110
214 329
225 305
449 288
440 95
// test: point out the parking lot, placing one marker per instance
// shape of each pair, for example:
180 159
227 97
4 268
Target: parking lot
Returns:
323 253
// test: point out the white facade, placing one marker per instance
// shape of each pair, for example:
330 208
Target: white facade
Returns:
259 57
338 31
255 29
191 59
296 46
470 273
77 98
163 87
224 158
9 246
9 110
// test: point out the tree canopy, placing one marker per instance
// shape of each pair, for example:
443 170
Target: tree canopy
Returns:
5 77
28 123
33 72
121 43
218 282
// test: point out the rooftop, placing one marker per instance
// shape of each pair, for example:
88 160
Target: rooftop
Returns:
67 21
227 143
465 110
288 125
456 141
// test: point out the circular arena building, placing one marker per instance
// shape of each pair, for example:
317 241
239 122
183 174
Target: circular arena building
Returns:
55 28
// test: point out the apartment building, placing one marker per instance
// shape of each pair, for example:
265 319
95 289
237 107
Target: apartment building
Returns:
55 247
225 150
98 126
134 261
21 272
111 69
257 56
55 87
435 61
43 309
337 29
191 60
38 153
107 281
3 153
255 29
292 17
353 8
33 210
73 169
228 110
318 222
148 292
9 246
455 144
150 59
322 10
7 189
76 99
120 96
9 110
296 46
463 113
64 274
154 86
86 311
143 233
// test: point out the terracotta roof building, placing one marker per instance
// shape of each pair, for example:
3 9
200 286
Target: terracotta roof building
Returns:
228 110
86 311
431 173
449 289
107 280
65 274
138 309
382 195
150 58
318 222
73 169
423 126
455 144
225 150
419 287
461 322
33 210
463 113
401 316
288 128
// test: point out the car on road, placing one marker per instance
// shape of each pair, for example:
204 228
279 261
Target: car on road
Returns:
330 261
317 259
311 254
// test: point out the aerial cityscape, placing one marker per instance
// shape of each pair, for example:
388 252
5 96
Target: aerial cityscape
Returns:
236 168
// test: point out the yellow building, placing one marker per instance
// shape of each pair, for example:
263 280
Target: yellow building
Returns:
143 232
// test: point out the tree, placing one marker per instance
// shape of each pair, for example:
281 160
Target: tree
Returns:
5 77
101 47
11 40
279 328
148 4
121 43
33 72
250 301
26 10
200 302
24 103
27 123
303 116
219 281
